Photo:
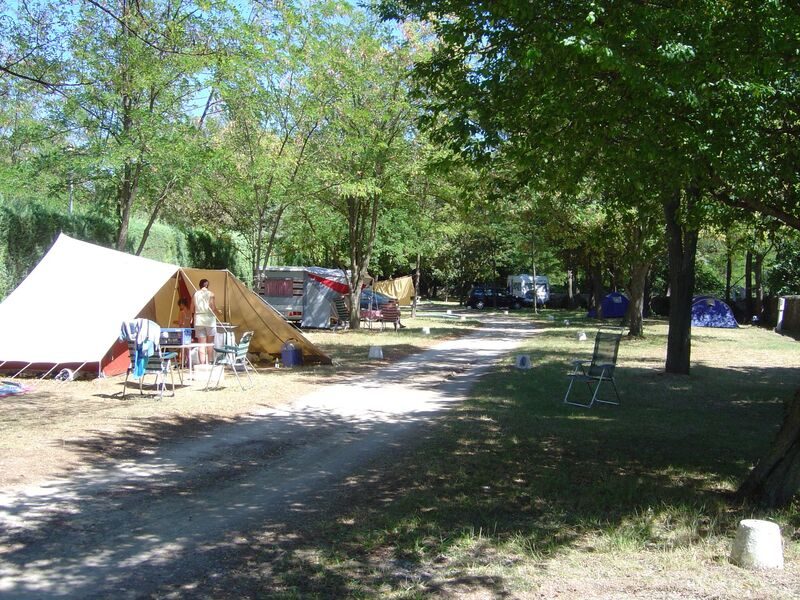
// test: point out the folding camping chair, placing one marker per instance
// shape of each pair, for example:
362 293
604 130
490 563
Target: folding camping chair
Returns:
158 364
235 357
599 369
342 318
390 313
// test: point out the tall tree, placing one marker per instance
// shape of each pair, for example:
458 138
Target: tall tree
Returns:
275 101
367 137
122 79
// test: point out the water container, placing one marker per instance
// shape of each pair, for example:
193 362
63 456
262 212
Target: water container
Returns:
291 355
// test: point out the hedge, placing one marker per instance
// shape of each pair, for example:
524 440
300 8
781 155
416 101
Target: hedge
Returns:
28 229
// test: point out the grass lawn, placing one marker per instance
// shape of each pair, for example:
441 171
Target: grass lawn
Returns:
517 495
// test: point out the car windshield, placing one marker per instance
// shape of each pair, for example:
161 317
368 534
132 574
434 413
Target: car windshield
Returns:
368 297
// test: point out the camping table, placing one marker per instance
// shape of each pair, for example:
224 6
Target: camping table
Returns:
189 347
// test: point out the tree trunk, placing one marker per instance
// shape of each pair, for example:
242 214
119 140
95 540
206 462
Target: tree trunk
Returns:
570 290
728 276
416 286
748 286
126 196
758 272
154 215
362 216
682 243
775 480
634 317
596 300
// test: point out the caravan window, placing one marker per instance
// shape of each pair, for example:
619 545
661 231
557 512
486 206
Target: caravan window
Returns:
278 288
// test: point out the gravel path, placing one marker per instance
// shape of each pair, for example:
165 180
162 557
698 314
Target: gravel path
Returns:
156 526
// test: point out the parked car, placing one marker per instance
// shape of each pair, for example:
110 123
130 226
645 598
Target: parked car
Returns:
371 300
491 297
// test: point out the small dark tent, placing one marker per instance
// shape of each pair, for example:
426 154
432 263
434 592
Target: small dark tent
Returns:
708 311
614 306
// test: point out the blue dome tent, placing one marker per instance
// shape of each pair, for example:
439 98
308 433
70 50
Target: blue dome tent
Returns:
708 311
614 306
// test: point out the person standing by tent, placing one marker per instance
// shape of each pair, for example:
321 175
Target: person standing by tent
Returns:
184 320
204 308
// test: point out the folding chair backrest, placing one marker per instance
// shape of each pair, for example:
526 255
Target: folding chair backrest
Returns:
153 365
390 313
342 314
606 347
243 347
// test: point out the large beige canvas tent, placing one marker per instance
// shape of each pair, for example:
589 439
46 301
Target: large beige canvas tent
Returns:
68 311
401 288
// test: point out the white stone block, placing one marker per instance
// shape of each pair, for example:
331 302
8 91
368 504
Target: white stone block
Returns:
375 352
758 545
581 336
426 330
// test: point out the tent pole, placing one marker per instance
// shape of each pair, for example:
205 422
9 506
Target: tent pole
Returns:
53 368
79 368
227 313
174 294
21 370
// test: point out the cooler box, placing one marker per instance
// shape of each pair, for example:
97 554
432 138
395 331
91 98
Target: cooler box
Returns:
176 337
291 355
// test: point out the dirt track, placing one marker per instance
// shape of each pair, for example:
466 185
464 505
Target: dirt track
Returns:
179 520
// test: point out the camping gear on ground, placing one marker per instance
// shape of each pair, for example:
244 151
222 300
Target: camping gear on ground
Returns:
233 356
11 388
291 354
599 369
613 306
110 287
708 311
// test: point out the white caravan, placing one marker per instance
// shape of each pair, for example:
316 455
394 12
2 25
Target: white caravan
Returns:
525 287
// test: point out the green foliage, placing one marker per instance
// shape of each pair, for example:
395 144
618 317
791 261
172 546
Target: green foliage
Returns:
207 251
27 230
164 243
784 276
708 281
126 94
